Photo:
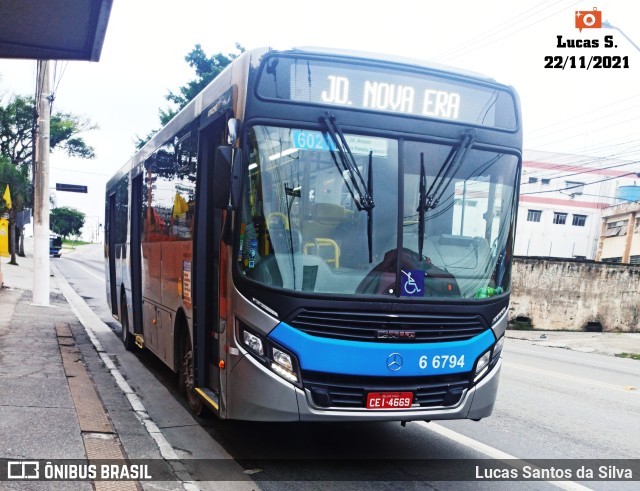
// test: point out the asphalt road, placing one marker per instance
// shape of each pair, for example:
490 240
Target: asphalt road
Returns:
552 404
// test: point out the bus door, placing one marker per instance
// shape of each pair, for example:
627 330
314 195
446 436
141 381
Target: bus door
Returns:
111 251
135 256
206 268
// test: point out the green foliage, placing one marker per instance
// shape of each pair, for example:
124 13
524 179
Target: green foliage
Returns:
206 68
17 132
19 185
66 221
65 128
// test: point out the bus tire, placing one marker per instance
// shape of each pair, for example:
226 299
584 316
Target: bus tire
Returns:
128 340
186 379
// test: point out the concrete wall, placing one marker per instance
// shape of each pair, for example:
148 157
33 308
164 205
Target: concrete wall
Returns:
569 294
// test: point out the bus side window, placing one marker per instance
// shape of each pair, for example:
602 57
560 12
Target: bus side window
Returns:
184 198
170 190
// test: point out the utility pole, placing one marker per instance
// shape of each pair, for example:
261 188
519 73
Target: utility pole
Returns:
41 259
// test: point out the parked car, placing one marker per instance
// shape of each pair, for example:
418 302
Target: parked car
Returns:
55 244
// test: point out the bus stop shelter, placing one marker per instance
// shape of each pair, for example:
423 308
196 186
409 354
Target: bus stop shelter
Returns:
53 29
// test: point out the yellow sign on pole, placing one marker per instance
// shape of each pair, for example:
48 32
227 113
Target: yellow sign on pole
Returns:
7 197
4 237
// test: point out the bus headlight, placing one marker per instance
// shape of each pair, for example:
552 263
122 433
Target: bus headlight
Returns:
283 365
252 342
497 349
482 365
488 359
275 357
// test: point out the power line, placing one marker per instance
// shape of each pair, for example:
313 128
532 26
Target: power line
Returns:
478 46
579 185
587 170
79 171
489 33
599 128
581 115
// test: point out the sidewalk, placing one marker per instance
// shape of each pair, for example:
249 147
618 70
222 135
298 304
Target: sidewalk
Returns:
62 396
624 344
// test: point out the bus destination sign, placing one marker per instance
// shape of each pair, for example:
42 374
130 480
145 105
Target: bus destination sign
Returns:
384 96
387 90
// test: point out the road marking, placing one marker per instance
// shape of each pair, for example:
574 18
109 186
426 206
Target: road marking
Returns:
493 453
101 278
573 378
87 317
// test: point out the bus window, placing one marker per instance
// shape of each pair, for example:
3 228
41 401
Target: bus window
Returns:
170 190
300 222
468 224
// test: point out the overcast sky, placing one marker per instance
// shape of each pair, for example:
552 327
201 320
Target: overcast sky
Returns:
587 112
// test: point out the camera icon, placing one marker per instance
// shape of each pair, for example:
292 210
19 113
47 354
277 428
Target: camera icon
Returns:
588 19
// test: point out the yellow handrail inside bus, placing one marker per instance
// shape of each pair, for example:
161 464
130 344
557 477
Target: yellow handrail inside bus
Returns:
324 242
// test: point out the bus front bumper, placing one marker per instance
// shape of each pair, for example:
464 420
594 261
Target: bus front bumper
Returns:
257 394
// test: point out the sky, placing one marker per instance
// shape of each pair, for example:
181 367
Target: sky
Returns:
592 112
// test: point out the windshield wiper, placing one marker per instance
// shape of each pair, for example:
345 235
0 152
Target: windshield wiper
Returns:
431 198
355 182
422 207
448 169
370 210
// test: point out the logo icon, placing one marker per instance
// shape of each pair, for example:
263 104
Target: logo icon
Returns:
403 335
23 469
394 362
588 19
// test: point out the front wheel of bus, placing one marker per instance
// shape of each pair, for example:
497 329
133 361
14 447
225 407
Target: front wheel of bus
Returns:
186 378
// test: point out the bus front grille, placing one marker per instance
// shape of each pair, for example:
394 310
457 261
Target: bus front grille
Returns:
344 391
383 327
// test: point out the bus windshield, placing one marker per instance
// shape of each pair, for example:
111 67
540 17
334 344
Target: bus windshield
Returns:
441 227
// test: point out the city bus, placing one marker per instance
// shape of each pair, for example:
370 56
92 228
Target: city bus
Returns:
323 235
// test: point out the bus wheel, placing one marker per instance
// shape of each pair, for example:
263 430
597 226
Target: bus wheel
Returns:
186 378
127 339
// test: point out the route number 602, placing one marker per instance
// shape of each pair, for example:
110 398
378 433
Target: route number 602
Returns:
441 361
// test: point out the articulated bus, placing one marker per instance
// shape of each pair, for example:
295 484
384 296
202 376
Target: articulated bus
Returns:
323 235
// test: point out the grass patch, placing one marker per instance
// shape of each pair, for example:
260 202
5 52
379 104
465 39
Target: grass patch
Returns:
633 356
73 243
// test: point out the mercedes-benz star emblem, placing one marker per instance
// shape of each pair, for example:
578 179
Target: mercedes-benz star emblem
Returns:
394 362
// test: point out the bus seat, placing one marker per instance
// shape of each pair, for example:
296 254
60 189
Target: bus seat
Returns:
326 218
294 272
277 217
319 245
467 258
464 252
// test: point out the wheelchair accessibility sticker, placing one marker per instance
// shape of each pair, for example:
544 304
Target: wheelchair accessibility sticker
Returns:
412 283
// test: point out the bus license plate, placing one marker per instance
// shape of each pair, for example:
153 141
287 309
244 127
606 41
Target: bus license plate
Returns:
389 400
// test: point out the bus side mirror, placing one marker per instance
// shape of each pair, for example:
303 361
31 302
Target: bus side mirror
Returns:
227 177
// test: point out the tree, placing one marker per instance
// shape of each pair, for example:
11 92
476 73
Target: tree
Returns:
20 191
18 182
66 221
17 132
207 68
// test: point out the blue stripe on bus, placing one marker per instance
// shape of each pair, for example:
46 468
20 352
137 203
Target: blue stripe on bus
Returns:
367 358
